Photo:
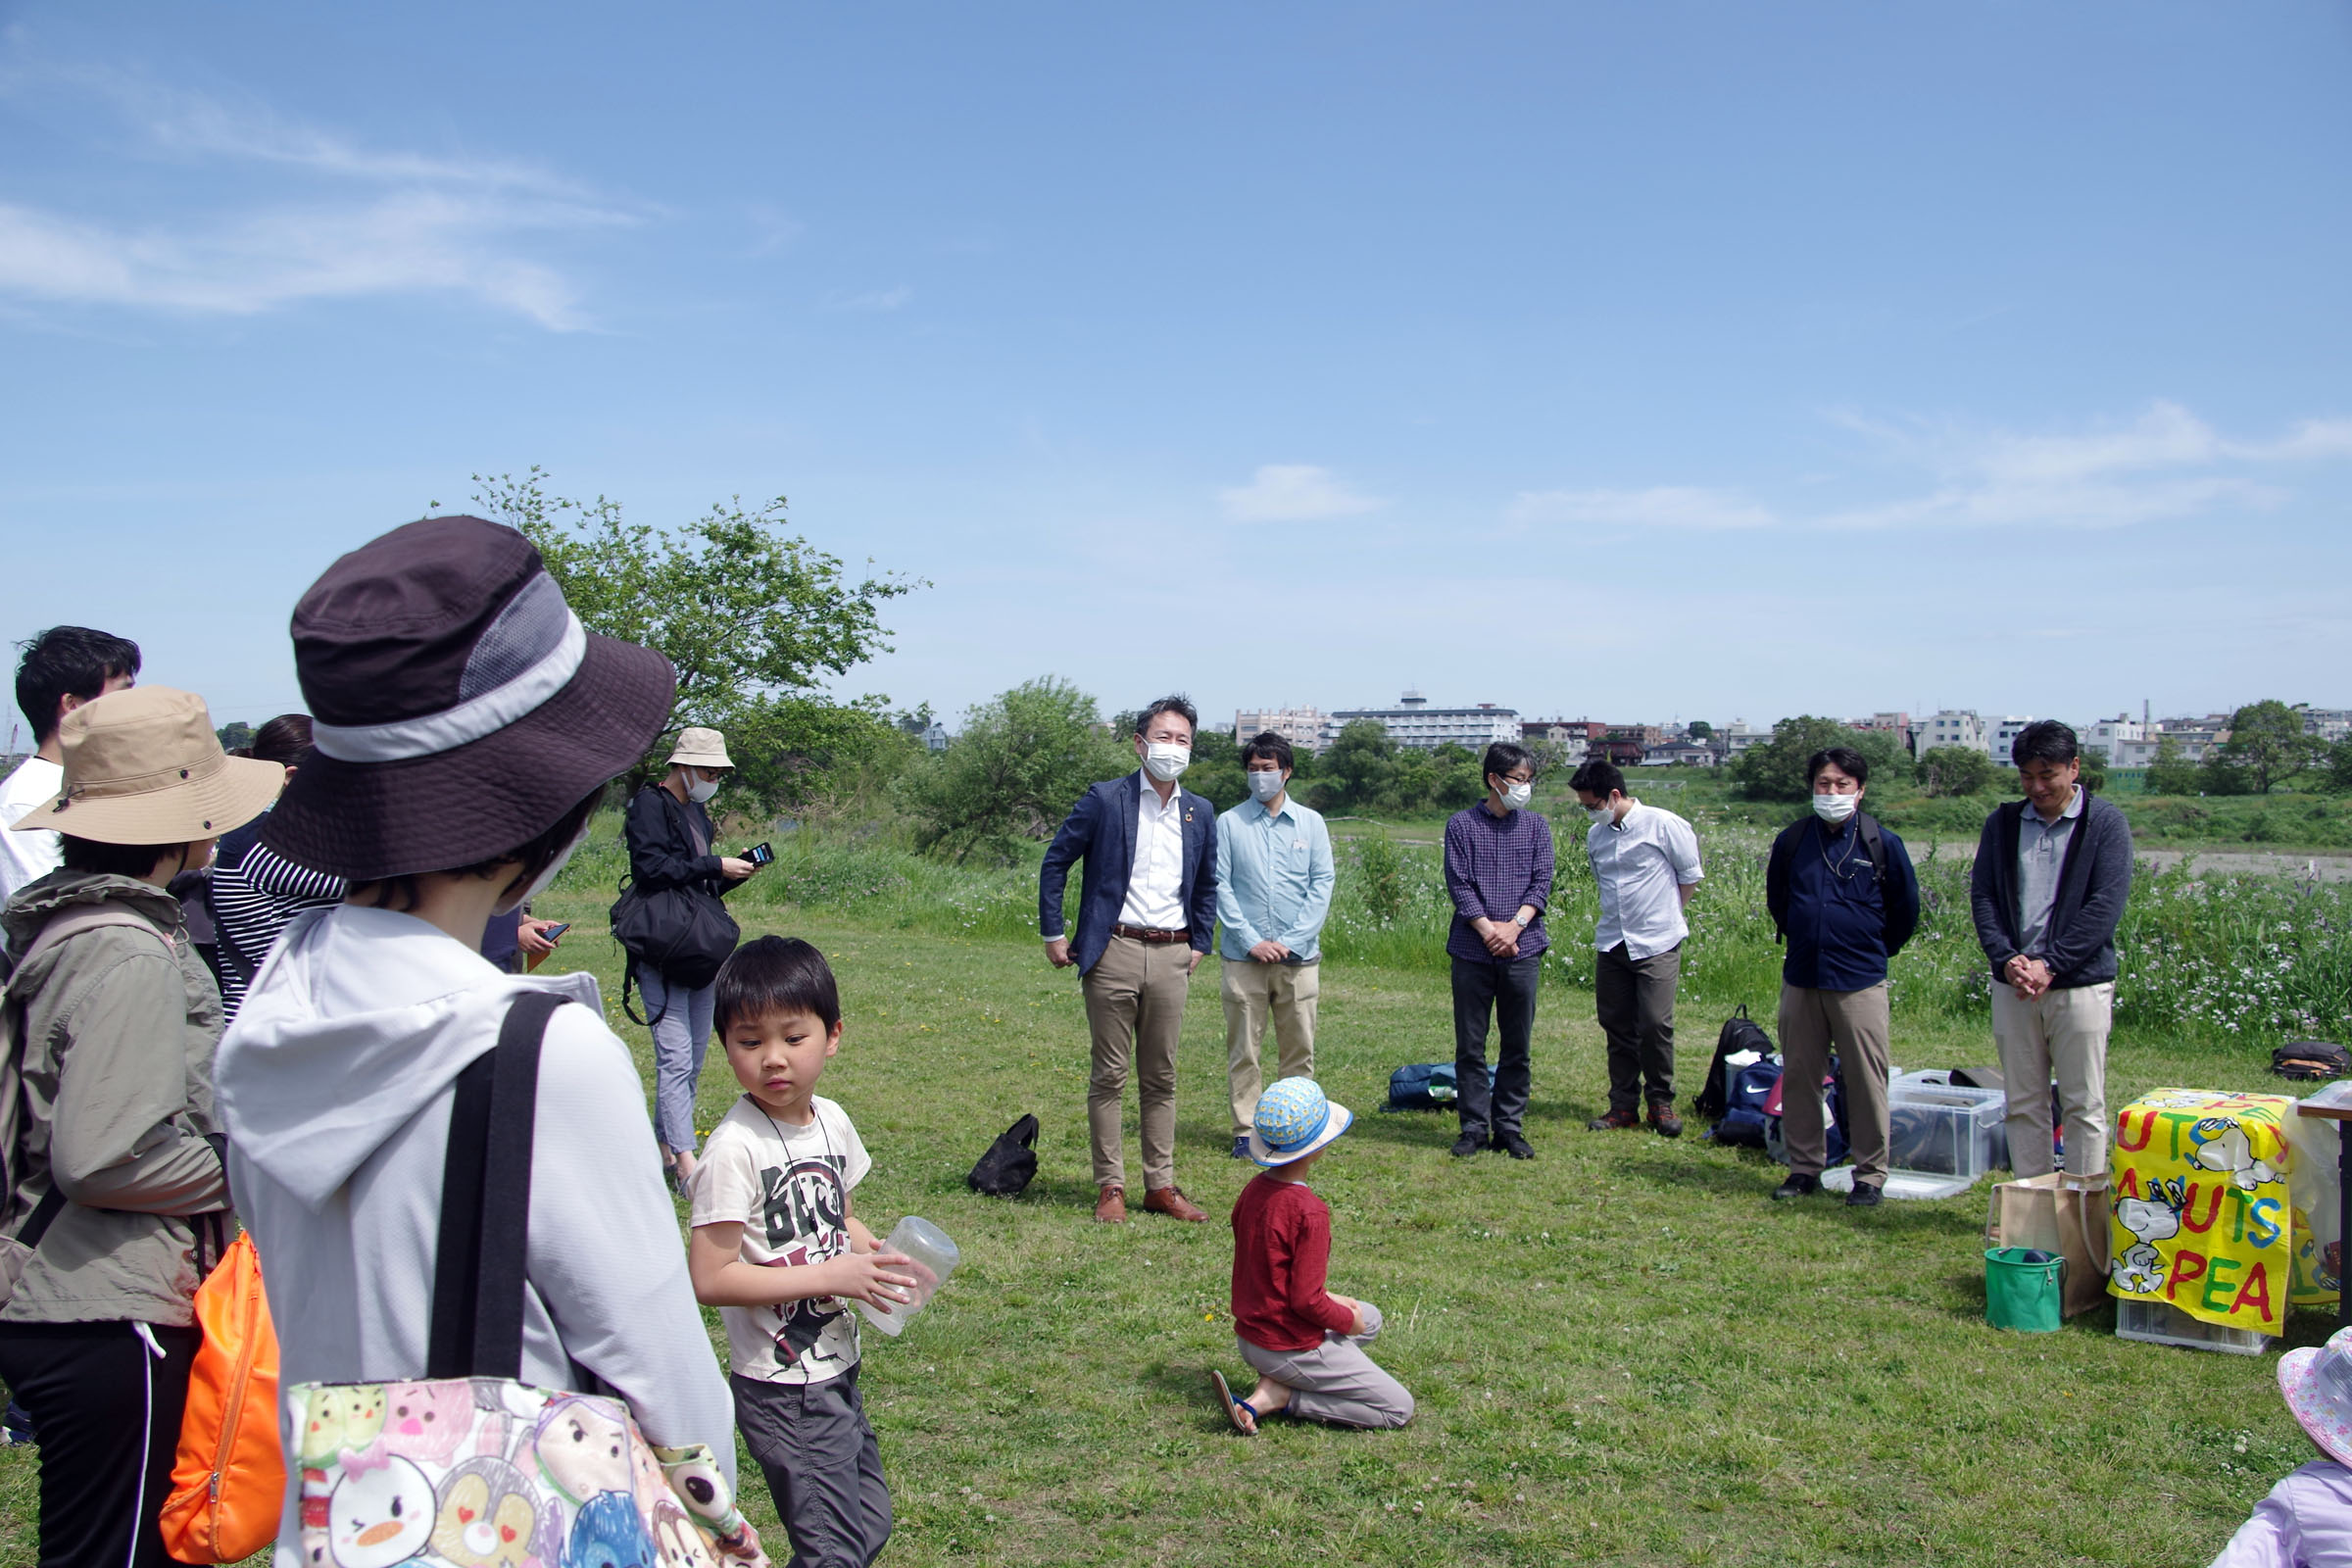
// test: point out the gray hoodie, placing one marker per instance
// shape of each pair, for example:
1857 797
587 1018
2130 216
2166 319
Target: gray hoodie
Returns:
335 1084
118 1031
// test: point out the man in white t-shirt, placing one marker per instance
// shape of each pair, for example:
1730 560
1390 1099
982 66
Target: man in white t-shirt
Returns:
61 670
1646 861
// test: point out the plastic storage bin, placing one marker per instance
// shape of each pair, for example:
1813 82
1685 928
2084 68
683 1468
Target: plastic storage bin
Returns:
1941 1129
1941 1078
2162 1323
935 1257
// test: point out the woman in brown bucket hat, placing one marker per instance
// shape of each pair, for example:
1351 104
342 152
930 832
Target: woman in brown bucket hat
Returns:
118 1202
463 727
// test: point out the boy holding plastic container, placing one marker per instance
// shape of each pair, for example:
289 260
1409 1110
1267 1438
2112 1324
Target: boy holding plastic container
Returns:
778 1252
1305 1343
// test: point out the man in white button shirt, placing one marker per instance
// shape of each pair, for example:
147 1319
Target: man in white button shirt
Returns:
62 668
1147 906
1646 863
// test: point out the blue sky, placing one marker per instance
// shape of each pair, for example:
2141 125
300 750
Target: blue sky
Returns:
1712 361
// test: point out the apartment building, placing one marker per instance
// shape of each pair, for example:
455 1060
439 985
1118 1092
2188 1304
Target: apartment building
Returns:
1414 722
1304 727
1953 726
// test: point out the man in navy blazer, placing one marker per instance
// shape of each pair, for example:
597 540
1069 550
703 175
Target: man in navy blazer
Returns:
1147 909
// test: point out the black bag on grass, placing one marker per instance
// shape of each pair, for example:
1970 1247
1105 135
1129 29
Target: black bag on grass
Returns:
1740 1033
1010 1164
2311 1060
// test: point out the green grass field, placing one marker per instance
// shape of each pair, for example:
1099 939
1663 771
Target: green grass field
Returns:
1621 1353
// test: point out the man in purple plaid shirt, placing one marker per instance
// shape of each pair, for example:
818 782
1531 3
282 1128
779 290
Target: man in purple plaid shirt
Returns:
1499 874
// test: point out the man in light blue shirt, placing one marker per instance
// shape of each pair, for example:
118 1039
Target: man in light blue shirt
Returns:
1274 879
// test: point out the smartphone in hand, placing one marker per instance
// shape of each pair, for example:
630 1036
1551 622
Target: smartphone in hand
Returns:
760 854
555 930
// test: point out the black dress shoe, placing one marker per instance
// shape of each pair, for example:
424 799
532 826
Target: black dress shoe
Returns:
1864 1197
1797 1185
1468 1144
1514 1146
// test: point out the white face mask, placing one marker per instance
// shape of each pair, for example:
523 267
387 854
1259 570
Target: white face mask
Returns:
1598 814
1166 763
702 791
1835 808
1265 786
1516 796
539 883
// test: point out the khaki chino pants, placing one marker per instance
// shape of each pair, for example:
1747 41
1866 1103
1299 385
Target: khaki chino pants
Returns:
2061 1032
1856 1024
1135 1011
1255 993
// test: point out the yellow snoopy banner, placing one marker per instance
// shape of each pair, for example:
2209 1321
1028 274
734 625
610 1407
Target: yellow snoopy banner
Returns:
2203 1219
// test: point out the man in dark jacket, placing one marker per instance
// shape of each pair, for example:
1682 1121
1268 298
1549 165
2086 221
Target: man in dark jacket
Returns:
1147 910
1843 894
2051 878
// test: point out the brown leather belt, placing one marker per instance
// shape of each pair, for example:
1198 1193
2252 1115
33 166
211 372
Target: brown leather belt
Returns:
1146 933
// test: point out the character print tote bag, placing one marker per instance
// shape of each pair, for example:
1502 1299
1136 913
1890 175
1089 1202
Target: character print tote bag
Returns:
470 1466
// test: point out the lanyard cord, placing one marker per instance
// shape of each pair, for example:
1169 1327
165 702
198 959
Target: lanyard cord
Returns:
839 1170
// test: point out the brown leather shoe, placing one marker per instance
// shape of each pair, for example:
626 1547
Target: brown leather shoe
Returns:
1110 1208
1173 1203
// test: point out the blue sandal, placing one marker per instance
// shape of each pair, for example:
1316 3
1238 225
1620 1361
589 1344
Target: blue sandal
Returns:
1244 1424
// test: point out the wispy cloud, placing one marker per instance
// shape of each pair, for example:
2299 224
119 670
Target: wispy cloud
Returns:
1294 492
353 221
1661 507
2166 462
880 299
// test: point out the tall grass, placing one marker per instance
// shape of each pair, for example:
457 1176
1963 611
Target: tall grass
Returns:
2225 960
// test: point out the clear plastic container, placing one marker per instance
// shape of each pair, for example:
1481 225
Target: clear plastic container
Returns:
1943 1129
2162 1323
935 1257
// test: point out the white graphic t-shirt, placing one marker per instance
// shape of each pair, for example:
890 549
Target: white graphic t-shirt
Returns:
789 1188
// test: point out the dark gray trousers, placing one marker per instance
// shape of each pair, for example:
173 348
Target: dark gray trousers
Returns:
1504 989
822 1465
1634 999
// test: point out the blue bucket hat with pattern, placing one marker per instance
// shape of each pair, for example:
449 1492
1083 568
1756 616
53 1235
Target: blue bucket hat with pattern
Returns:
1294 1119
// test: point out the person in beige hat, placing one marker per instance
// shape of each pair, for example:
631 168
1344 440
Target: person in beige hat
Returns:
670 837
120 1193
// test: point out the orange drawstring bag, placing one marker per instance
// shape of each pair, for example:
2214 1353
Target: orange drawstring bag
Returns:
228 1484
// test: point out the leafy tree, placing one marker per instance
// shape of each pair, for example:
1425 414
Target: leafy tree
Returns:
1701 730
2218 775
2169 773
753 619
2094 768
234 734
2267 744
1360 767
1023 758
1945 770
1216 769
2338 780
1774 769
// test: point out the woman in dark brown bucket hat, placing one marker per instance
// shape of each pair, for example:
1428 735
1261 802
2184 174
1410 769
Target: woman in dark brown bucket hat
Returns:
463 728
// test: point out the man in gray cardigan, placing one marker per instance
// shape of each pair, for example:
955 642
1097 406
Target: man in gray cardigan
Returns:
2052 877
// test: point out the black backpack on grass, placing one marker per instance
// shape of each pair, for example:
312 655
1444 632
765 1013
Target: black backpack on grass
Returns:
2311 1060
1009 1164
1740 1033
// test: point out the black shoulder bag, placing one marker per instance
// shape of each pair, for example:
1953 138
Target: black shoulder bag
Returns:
682 933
